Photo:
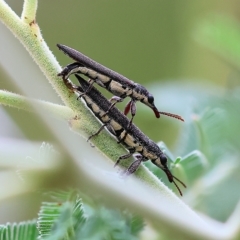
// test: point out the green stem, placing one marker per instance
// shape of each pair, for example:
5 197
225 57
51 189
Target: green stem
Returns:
29 11
17 101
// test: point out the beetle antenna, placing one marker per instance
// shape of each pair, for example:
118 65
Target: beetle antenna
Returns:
179 181
177 185
171 179
180 192
172 115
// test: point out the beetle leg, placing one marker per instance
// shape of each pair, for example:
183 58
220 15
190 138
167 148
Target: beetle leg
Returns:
131 105
113 100
99 130
131 151
88 89
134 166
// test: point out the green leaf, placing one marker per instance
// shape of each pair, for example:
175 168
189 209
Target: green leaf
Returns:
61 229
108 224
136 224
59 220
19 231
194 165
70 219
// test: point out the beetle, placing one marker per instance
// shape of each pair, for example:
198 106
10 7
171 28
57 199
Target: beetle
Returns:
130 137
114 82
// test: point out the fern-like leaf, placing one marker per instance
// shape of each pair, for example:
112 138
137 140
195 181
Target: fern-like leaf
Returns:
19 231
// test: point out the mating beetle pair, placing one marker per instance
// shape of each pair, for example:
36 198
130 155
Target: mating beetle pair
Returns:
115 122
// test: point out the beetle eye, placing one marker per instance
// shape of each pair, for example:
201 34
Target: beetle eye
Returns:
163 159
150 99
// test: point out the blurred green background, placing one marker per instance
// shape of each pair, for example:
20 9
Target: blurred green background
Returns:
154 43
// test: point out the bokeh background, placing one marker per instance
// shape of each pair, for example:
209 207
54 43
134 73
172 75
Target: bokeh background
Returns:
176 50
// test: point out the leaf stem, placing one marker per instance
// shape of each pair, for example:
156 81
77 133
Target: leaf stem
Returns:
29 11
17 101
